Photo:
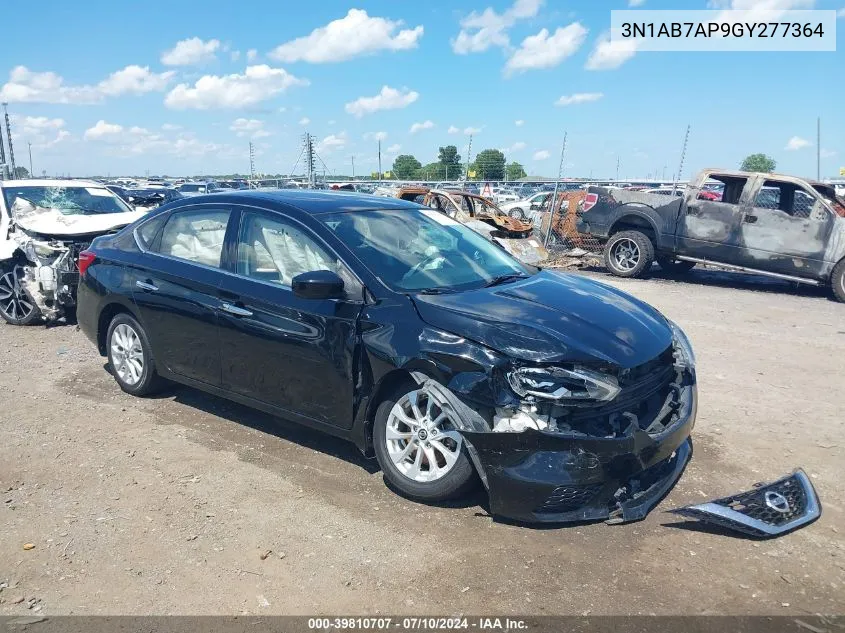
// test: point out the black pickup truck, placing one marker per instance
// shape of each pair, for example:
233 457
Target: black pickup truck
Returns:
762 223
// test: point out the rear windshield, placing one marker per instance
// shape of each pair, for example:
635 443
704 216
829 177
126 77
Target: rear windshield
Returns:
192 188
66 200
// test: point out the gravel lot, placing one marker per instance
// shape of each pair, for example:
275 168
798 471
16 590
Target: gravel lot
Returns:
187 504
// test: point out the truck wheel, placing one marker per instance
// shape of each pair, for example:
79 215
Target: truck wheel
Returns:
674 266
629 254
837 281
517 213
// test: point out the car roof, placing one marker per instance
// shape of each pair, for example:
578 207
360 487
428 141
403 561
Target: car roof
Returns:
308 201
50 182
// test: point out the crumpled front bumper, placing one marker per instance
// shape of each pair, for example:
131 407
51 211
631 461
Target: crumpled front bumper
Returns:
539 476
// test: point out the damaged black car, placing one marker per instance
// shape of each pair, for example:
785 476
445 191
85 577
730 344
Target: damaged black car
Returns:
391 325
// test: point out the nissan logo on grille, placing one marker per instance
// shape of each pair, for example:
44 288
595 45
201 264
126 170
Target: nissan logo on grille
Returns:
777 501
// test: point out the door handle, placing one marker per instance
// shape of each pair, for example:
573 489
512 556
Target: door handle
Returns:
751 219
235 310
144 285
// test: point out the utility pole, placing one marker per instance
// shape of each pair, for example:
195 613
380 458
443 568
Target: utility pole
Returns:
9 136
309 160
681 166
617 168
251 161
3 167
469 157
353 167
819 148
553 202
31 173
379 160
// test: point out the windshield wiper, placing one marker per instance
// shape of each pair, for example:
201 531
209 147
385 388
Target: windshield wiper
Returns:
437 290
505 278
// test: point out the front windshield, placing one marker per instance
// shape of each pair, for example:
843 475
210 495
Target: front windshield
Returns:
66 200
417 250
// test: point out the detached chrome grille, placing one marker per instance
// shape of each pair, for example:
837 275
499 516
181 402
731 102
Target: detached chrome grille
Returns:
767 510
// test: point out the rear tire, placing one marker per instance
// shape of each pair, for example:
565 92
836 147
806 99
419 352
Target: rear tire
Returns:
17 307
517 213
629 254
837 281
675 266
420 458
130 357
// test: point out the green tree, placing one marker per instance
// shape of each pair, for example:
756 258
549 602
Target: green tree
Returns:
450 162
21 172
490 165
515 171
431 171
405 167
758 162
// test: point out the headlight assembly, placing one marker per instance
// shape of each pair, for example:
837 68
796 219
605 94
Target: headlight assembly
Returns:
559 383
684 355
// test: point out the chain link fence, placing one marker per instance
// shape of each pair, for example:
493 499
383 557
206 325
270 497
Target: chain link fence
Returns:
564 240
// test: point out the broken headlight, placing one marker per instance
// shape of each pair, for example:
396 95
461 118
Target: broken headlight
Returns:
559 383
684 356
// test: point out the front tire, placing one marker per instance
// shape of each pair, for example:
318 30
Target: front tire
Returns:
419 448
629 254
517 213
837 281
130 357
17 307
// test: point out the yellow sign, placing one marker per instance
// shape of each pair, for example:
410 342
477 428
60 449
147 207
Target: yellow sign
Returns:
374 175
472 173
842 171
388 174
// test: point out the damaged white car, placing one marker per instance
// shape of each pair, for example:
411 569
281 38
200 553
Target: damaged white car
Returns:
44 224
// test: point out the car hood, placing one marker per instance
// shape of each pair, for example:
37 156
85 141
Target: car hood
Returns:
53 222
553 317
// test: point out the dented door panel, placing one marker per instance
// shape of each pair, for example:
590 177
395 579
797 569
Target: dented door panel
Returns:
710 230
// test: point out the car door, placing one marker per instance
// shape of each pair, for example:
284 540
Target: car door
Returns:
175 287
292 353
711 229
785 229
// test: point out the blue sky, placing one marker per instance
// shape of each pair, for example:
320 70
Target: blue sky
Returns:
180 88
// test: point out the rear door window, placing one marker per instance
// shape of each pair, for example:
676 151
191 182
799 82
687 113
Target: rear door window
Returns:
195 236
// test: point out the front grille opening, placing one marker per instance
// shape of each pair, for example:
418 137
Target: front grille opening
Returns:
568 499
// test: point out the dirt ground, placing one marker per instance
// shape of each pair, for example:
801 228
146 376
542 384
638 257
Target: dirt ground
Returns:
171 505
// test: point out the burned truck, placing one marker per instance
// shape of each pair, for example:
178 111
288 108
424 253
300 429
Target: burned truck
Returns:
44 225
769 224
483 216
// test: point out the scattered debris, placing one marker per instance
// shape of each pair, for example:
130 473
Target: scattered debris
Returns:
29 546
266 554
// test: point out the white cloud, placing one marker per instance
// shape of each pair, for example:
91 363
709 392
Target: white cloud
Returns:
636 3
394 149
253 128
453 130
26 86
170 127
102 130
388 99
480 31
796 142
235 56
546 51
191 52
354 35
41 131
471 130
375 136
519 123
134 80
258 83
304 120
425 125
251 55
579 97
541 155
609 54
332 142
516 147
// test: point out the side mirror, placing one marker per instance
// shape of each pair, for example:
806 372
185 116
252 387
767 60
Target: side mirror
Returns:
318 284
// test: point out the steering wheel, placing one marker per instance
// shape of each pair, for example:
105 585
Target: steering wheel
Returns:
430 259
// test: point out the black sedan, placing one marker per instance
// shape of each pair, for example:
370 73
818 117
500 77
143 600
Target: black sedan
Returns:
393 326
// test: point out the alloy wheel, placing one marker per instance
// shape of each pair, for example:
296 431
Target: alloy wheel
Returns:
14 302
127 354
421 439
626 254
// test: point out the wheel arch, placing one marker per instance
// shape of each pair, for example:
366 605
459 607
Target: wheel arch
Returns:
632 219
109 311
